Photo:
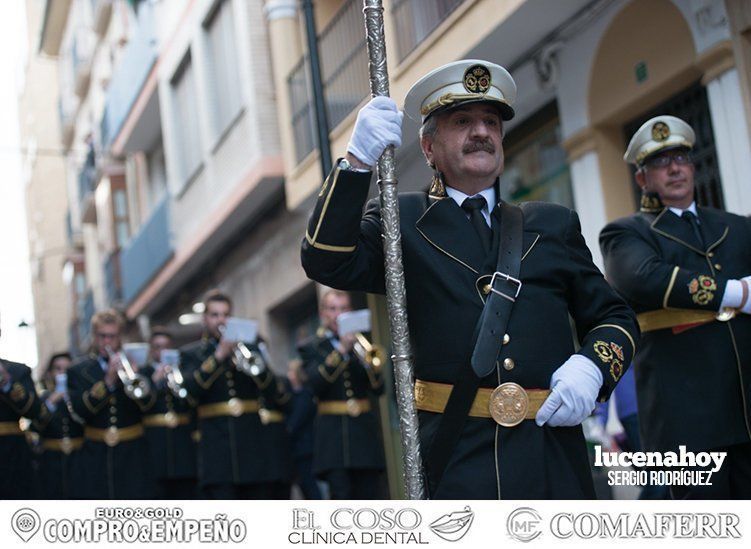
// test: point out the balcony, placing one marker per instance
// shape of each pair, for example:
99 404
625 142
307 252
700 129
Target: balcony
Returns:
113 279
344 68
416 19
67 114
81 61
147 252
85 312
87 179
130 75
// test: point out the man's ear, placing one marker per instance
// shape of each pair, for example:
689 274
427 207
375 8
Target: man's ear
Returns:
641 178
426 144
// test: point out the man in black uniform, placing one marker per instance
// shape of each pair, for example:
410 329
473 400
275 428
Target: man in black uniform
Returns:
685 270
170 425
348 453
114 454
238 457
18 399
61 436
451 237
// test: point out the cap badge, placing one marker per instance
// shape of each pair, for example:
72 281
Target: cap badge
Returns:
660 131
477 79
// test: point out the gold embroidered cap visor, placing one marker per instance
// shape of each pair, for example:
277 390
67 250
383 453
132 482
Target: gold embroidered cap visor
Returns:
658 134
460 83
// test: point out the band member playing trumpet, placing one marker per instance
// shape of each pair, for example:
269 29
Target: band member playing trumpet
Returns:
170 425
348 452
237 395
110 396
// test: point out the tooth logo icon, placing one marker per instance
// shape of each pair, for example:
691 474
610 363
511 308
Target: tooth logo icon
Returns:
25 523
453 526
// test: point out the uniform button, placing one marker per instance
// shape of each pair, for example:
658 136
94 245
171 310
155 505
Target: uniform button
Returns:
113 420
113 399
349 392
346 374
508 363
230 383
232 392
486 289
113 409
710 254
718 266
228 374
506 339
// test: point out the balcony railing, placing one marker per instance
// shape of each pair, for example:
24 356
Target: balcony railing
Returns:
146 252
344 68
130 75
416 19
113 279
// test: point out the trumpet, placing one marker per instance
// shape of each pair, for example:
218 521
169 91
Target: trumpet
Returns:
370 354
136 385
247 361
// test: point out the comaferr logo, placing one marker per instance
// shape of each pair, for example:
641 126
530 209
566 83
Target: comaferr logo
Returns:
524 524
453 526
643 525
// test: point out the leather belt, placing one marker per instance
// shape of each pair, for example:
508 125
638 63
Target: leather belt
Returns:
66 445
112 436
9 428
677 318
508 404
168 419
236 407
352 407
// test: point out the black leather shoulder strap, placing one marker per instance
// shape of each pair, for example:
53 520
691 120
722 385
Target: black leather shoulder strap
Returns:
489 329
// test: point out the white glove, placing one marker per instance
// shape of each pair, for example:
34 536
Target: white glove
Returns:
574 389
733 295
378 125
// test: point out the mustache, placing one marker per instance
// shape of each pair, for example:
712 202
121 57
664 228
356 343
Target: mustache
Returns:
485 146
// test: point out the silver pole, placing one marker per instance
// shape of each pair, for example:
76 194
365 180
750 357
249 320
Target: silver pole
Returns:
396 296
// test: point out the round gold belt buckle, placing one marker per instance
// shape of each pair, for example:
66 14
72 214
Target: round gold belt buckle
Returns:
66 445
509 404
171 420
235 407
353 407
111 437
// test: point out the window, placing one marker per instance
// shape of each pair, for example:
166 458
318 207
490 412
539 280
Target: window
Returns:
536 166
187 129
120 218
222 66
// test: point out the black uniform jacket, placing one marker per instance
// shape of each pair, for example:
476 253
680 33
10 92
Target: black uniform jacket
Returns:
342 441
170 431
118 471
61 438
234 449
15 455
445 271
693 386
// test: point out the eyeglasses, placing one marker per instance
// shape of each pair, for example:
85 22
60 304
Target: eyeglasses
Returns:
103 335
664 160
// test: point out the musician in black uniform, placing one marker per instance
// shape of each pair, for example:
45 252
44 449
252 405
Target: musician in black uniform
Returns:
511 429
238 458
170 426
685 270
114 454
18 399
61 435
348 453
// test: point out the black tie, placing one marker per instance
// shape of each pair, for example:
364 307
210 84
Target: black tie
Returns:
694 222
473 206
